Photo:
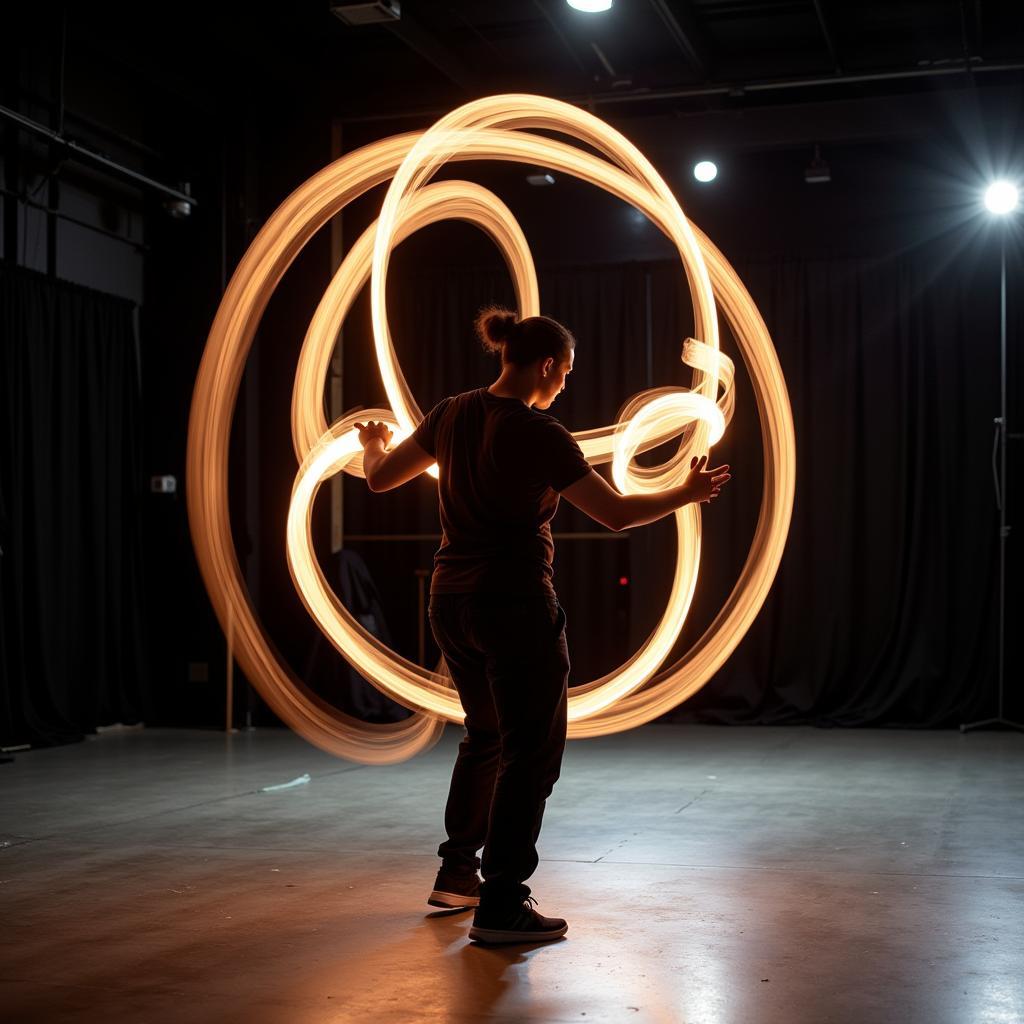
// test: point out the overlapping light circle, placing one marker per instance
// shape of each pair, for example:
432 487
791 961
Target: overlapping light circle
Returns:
493 128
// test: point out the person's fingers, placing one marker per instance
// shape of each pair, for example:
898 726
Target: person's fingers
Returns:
703 462
693 462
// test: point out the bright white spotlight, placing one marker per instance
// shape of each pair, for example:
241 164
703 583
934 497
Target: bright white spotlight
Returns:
705 171
590 6
1001 197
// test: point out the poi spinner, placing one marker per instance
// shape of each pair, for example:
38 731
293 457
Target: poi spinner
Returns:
496 127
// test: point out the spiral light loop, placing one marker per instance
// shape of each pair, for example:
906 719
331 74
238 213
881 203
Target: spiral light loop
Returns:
491 128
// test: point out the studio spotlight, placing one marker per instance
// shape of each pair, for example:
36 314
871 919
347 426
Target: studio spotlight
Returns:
541 178
705 171
180 208
590 6
1001 197
817 171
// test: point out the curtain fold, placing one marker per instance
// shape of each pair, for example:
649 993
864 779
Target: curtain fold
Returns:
72 615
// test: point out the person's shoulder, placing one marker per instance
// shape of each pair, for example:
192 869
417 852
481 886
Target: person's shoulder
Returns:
549 423
463 397
553 433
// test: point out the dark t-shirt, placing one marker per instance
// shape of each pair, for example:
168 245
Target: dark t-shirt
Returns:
501 467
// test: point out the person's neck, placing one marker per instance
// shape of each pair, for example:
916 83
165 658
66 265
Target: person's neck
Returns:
512 385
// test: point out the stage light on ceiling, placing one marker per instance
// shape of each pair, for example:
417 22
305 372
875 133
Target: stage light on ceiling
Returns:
1001 197
705 171
817 171
590 6
541 178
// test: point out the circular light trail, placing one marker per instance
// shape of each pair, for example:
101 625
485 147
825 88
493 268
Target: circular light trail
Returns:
496 127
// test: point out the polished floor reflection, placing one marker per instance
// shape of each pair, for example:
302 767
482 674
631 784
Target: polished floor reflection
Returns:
709 876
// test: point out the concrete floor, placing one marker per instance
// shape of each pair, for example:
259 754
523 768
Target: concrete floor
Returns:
709 876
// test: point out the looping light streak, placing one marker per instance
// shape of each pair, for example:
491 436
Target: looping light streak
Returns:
492 128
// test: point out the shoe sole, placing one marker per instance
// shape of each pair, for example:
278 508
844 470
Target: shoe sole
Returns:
451 900
495 936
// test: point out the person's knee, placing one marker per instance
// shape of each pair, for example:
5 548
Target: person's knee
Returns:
481 741
538 754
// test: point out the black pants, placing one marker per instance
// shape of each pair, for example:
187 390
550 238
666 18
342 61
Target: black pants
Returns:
509 661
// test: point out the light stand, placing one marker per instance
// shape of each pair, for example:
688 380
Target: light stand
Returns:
999 474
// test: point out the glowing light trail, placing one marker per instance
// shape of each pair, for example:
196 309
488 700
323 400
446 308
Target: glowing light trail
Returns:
491 128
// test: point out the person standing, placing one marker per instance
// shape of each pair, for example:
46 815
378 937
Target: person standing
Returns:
494 611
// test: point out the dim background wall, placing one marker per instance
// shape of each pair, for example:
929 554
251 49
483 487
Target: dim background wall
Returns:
879 288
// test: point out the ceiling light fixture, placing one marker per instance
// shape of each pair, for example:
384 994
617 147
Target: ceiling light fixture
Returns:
817 171
590 6
355 12
705 171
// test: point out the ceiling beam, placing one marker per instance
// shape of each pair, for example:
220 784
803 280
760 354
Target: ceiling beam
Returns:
823 25
562 38
683 30
420 41
736 88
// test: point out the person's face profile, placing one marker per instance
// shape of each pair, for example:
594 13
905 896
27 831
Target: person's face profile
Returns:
557 375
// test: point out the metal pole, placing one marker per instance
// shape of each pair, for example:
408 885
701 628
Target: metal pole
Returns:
1002 436
229 676
80 152
1002 465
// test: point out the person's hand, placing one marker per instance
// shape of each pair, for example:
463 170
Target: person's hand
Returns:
371 429
705 484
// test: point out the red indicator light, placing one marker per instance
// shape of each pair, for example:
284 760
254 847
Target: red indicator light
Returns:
623 581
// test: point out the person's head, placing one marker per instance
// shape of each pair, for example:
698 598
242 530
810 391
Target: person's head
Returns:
537 351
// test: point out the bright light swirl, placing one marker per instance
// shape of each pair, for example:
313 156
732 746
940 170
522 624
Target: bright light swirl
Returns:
492 128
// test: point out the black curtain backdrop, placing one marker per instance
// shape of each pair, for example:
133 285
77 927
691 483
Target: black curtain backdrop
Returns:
883 611
71 608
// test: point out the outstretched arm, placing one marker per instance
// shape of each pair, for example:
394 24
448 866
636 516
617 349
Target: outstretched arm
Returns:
386 470
595 496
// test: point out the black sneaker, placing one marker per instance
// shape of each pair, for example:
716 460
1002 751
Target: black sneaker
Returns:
455 891
523 924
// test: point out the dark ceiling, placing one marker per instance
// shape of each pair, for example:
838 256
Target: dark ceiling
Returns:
760 80
654 54
643 56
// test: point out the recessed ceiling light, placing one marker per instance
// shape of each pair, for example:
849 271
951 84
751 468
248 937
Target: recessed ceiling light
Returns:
590 6
817 171
705 171
541 178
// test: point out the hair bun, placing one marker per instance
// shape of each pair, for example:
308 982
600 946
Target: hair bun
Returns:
494 327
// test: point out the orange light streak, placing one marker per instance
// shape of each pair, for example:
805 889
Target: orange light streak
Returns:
493 128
